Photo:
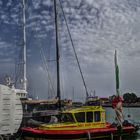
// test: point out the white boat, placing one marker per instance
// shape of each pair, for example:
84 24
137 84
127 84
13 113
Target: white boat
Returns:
11 112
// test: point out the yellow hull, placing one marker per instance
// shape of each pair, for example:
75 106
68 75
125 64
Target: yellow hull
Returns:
74 126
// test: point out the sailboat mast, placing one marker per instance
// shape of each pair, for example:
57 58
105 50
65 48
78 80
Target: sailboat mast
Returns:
24 86
57 54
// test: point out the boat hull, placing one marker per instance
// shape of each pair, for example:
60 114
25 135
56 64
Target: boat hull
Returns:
98 133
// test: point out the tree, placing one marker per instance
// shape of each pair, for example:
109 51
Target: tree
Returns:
130 97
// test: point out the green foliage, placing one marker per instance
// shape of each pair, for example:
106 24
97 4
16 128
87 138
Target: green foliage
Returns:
130 97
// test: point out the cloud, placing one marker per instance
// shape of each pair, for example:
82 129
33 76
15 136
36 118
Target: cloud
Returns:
97 29
7 52
108 26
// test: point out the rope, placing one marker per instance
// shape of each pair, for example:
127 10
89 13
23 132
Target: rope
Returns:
117 105
89 135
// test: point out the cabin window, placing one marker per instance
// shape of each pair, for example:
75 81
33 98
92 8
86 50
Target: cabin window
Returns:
80 117
103 116
67 117
97 116
89 116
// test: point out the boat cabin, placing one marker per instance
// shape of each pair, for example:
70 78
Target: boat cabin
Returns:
85 114
80 118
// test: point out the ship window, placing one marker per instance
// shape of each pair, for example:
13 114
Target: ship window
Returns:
67 117
89 116
80 117
97 117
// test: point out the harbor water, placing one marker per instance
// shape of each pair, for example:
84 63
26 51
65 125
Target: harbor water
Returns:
131 114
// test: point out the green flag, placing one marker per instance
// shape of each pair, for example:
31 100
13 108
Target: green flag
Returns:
116 73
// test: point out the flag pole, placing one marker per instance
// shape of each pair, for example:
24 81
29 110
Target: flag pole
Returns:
117 74
117 101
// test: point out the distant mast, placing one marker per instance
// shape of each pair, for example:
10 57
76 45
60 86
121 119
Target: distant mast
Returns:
57 55
24 84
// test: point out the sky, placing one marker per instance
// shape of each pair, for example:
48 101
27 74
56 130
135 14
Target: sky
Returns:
98 28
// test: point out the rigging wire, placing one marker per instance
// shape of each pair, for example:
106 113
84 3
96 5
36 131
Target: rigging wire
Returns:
46 69
44 61
74 49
